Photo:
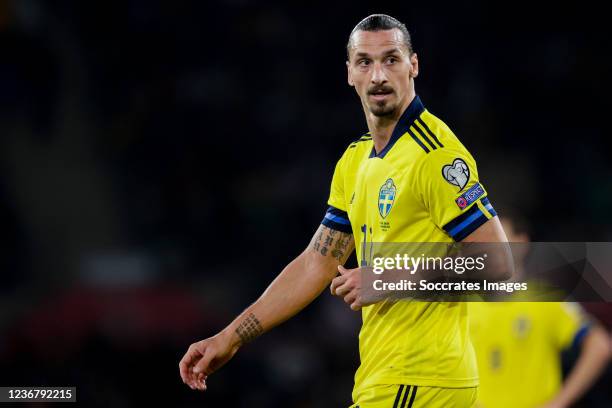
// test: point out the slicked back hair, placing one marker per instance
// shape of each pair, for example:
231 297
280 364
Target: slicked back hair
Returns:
380 22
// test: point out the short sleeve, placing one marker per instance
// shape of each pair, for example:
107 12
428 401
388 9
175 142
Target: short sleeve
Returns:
336 191
452 193
568 324
336 216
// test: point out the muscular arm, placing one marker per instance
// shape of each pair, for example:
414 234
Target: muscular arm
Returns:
490 231
500 265
294 288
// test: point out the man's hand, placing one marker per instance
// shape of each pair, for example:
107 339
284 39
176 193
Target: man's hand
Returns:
205 357
348 287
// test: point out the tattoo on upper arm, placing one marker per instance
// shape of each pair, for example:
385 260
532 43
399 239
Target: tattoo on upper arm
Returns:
249 329
329 241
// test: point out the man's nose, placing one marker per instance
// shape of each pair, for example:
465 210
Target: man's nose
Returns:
378 75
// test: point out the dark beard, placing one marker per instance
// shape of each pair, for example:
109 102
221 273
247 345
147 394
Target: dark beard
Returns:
382 111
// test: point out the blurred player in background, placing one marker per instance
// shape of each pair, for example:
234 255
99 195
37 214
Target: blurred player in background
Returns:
518 346
409 179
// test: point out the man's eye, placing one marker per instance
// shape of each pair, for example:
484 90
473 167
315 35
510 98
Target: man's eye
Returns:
363 62
391 60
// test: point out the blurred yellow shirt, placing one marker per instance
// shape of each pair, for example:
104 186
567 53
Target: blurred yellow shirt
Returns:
518 346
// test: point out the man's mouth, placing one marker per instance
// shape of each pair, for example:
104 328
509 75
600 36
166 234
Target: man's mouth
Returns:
380 94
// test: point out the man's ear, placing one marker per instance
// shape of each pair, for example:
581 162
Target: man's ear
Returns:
349 77
414 64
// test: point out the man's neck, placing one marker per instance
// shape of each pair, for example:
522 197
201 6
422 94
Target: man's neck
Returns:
381 127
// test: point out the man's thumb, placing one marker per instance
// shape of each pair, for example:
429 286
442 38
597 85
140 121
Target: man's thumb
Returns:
342 269
203 366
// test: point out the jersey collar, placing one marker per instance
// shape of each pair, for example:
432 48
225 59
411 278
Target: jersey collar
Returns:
412 112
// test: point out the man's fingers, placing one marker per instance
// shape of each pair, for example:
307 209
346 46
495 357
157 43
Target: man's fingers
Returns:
342 290
190 357
357 304
201 382
198 379
342 270
184 367
337 282
203 366
350 298
183 370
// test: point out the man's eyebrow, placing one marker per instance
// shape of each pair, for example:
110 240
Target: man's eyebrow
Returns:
362 54
392 51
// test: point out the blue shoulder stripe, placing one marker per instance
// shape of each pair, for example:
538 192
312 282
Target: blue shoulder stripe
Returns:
416 139
429 131
363 138
337 219
418 129
469 221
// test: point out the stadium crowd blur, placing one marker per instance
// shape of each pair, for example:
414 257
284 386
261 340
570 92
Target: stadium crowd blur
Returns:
162 161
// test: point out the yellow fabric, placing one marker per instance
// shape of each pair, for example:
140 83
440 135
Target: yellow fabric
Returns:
518 347
407 342
425 201
406 396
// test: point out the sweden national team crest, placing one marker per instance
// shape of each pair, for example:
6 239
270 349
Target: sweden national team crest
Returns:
386 197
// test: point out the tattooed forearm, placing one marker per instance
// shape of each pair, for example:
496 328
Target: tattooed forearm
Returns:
249 329
342 249
328 241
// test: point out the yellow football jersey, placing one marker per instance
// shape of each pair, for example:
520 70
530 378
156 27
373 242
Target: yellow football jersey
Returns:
422 187
518 346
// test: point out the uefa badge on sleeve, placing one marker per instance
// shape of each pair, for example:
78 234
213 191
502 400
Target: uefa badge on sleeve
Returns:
461 202
467 198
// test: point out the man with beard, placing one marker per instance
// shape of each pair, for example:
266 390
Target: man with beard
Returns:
408 179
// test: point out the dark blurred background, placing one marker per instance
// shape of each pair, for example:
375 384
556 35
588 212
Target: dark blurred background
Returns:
162 161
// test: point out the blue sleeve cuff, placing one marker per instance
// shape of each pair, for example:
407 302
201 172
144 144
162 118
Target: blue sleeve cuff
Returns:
337 220
580 335
469 221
